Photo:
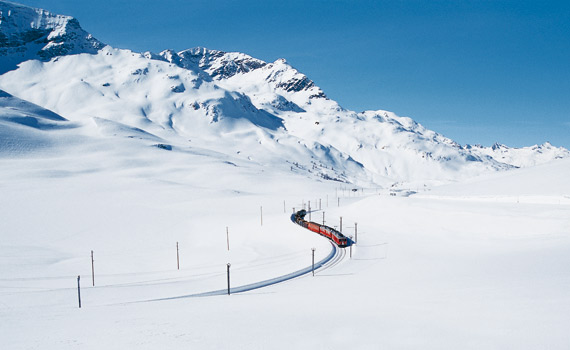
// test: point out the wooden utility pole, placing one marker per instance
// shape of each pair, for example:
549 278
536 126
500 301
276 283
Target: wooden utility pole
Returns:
313 250
309 210
92 269
177 257
228 237
323 217
340 230
229 277
350 246
355 232
79 291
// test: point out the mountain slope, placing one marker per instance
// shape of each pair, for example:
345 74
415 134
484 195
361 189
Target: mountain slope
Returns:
233 104
522 157
25 127
180 104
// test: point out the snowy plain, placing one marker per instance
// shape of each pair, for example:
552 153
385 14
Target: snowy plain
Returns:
439 269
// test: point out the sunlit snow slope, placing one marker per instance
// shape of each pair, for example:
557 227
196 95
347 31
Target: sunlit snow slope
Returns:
229 103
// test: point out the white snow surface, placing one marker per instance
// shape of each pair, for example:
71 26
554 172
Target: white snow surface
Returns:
442 269
128 154
524 156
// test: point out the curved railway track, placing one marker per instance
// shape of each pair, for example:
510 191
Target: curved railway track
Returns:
335 256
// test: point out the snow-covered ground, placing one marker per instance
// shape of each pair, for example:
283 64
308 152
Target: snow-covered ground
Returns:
441 269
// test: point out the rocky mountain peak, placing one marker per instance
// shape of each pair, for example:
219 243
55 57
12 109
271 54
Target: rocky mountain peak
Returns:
29 33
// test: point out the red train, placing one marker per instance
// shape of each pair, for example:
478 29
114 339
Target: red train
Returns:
329 232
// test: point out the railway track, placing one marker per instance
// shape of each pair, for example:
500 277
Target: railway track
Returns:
339 256
335 256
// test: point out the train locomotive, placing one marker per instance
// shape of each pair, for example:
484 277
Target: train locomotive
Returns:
338 238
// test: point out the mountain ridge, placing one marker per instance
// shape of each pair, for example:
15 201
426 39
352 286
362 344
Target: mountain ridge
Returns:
29 33
263 111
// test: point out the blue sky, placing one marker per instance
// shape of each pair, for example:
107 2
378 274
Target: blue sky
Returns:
475 71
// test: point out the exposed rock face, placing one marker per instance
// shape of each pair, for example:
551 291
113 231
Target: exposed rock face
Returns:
225 65
29 33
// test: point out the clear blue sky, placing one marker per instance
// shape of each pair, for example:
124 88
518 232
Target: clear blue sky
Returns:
475 71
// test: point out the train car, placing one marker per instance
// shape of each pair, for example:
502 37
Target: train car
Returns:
329 232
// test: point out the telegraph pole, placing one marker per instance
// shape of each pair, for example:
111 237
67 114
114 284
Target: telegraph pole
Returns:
340 230
92 269
228 237
313 250
229 277
79 291
177 257
355 232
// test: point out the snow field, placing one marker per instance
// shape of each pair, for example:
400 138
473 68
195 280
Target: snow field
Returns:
133 223
426 272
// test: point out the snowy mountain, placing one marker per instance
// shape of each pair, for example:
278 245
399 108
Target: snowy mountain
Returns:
521 157
28 33
268 114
